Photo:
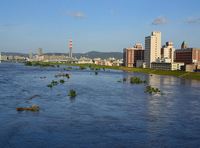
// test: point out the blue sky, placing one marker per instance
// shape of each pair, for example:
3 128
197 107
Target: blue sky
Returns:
100 25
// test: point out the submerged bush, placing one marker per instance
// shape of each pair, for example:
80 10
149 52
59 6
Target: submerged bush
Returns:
124 79
53 83
91 68
63 75
67 76
151 90
72 93
62 81
50 85
82 67
28 63
41 64
98 69
136 80
68 68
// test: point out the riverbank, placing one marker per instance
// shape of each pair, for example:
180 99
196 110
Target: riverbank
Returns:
180 74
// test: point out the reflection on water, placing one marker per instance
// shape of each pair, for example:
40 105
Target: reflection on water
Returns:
105 113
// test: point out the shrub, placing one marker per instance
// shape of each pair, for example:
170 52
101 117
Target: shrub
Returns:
28 63
67 75
82 67
136 80
50 85
63 75
54 82
151 90
62 81
124 79
72 93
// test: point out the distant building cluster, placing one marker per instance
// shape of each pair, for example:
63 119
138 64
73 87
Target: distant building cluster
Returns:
153 55
165 57
12 58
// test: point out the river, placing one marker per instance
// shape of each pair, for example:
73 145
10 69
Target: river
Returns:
105 112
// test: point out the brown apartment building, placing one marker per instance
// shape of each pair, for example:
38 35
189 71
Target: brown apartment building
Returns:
188 55
131 55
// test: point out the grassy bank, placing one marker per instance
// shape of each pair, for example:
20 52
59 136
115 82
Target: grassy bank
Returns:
180 74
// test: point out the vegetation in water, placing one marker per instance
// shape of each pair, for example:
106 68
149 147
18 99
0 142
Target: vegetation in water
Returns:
98 68
53 83
124 79
72 93
136 80
41 64
63 75
96 72
152 90
82 67
50 85
68 68
28 63
62 81
67 76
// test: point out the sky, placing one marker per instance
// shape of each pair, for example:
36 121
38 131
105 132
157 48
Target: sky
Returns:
95 25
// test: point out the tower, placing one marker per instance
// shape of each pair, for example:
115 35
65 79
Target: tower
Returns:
0 57
70 48
183 45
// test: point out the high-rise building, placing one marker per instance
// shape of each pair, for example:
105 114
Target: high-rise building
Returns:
152 48
167 52
40 51
131 55
30 55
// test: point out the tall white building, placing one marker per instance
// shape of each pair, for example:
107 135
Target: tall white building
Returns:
167 52
152 48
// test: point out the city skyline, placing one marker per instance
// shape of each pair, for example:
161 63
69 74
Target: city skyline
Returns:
100 25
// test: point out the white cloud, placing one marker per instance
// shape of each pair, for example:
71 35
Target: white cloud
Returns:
193 20
77 14
159 21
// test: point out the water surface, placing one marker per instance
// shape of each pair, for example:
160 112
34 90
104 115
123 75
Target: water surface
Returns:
105 113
